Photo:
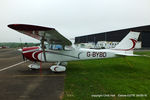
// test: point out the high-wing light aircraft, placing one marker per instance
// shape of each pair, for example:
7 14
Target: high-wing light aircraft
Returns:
47 52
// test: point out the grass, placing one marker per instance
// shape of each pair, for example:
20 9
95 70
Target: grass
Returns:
126 75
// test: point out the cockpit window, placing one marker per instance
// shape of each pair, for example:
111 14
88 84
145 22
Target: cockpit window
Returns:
55 47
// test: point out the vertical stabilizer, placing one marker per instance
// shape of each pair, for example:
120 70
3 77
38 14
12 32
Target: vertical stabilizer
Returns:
129 42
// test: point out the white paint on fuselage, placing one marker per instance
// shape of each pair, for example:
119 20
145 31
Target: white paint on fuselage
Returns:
77 54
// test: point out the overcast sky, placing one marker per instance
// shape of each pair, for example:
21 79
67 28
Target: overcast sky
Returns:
72 17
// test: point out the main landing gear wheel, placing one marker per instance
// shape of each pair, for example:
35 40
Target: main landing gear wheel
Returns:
58 68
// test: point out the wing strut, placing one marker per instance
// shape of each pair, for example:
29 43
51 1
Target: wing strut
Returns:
43 47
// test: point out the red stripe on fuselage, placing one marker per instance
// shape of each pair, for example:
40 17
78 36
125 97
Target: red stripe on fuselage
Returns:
36 55
29 48
28 55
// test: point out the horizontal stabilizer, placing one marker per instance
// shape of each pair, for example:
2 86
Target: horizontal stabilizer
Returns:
126 54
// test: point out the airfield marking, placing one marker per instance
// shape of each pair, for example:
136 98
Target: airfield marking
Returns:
11 66
37 75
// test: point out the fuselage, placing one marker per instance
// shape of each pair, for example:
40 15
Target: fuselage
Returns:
36 54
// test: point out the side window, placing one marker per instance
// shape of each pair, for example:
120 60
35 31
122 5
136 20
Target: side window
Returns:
55 47
58 47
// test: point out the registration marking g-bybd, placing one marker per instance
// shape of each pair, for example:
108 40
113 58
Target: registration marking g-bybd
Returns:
97 54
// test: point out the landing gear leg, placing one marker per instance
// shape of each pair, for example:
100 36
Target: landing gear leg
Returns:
58 63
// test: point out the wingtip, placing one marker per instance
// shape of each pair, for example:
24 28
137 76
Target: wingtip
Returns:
9 25
12 26
28 27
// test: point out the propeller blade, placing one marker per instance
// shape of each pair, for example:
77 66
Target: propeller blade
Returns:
23 57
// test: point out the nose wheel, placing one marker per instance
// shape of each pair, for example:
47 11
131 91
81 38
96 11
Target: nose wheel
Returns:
34 66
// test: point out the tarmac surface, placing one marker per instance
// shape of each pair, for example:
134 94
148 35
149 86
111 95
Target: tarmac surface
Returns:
18 82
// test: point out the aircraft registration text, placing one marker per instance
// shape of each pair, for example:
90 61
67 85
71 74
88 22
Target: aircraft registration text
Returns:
96 54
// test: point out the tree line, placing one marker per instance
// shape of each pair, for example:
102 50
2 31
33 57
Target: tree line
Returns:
17 45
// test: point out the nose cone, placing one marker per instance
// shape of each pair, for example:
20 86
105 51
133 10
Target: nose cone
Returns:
20 50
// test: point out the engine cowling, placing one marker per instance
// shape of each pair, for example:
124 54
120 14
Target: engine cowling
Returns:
58 68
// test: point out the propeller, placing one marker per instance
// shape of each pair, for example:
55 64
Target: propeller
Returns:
23 57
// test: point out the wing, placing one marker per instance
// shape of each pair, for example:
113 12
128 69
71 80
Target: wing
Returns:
50 34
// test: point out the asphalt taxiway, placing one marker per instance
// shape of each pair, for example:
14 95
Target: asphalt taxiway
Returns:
18 82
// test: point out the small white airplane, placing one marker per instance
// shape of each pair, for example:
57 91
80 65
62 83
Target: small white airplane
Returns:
60 56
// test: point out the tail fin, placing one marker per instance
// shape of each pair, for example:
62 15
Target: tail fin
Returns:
129 42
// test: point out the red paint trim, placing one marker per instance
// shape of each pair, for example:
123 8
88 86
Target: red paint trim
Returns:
29 48
26 27
55 68
36 55
29 56
134 43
